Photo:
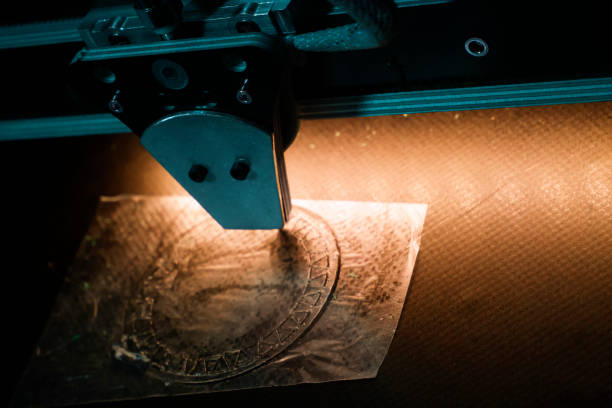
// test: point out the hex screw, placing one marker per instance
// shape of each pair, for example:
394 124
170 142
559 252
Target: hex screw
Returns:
114 105
242 95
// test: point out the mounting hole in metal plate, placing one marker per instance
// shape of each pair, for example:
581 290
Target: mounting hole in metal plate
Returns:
476 47
240 169
198 173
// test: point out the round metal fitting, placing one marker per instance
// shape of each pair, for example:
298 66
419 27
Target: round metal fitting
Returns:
170 74
476 47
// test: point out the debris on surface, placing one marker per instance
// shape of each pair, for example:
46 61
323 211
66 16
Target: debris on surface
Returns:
138 361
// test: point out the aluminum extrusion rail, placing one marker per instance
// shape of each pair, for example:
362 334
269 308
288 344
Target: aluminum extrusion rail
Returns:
44 33
486 97
483 97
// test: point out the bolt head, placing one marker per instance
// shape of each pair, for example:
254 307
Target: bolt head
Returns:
244 97
115 106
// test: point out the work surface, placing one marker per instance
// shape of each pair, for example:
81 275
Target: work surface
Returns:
511 297
161 300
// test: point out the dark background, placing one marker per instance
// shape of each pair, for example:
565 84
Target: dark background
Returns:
511 298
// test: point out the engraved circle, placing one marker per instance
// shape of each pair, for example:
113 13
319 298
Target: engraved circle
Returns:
226 302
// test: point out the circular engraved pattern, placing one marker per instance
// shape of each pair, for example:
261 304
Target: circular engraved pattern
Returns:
225 302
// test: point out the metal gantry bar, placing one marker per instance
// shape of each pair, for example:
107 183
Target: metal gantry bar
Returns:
61 126
482 97
485 97
44 33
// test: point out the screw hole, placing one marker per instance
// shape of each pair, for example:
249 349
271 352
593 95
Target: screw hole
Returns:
240 169
476 47
198 173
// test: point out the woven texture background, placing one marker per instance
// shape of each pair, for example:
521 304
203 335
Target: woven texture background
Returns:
511 297
512 294
511 301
